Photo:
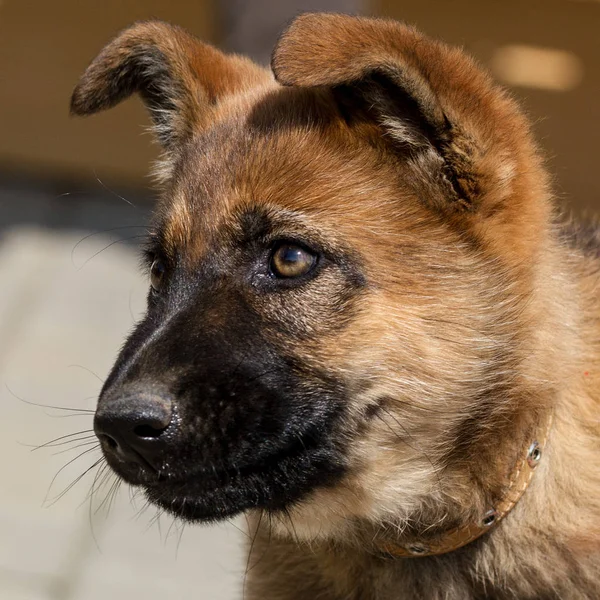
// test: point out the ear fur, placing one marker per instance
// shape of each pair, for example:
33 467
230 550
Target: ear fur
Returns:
430 99
179 78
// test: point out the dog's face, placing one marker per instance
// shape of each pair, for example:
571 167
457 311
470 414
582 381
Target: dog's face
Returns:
334 266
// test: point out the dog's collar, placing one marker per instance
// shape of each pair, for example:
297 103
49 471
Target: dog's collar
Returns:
461 536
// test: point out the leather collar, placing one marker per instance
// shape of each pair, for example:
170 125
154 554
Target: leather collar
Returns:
516 485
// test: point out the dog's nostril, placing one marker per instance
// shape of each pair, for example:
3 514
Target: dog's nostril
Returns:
108 441
147 431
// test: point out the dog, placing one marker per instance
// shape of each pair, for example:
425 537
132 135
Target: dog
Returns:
369 327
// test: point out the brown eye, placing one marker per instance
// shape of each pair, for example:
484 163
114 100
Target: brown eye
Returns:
290 260
157 274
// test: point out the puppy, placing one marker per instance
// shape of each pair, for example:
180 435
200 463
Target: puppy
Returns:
367 327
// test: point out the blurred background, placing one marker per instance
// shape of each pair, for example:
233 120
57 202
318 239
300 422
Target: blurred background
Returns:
74 202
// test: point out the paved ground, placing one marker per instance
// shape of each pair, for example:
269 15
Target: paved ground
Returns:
64 309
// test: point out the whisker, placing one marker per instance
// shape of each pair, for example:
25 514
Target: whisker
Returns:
99 483
81 410
106 502
83 445
90 496
134 492
143 510
245 533
88 370
248 567
91 438
76 481
62 469
155 520
169 530
104 231
53 442
67 416
180 538
112 191
132 237
133 319
115 491
253 541
102 472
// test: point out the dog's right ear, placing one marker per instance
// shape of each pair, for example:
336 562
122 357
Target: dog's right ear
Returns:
179 78
462 134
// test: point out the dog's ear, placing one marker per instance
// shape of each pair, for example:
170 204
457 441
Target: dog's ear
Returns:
179 78
432 101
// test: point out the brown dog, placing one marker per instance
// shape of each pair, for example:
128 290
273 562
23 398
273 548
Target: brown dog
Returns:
367 326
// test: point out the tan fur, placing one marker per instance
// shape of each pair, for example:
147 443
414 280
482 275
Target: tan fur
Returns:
482 321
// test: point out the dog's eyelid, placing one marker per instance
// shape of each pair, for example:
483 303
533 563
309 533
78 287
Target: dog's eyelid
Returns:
293 240
155 248
148 254
307 239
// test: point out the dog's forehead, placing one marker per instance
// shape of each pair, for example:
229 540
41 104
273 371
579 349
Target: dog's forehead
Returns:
319 173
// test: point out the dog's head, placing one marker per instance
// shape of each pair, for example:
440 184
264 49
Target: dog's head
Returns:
341 268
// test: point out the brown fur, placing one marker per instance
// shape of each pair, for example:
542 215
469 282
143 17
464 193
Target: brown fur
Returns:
479 316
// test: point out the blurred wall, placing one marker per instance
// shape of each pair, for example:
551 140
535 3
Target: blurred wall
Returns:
253 26
44 47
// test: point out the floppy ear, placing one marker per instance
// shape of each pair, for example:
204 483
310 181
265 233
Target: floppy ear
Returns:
431 101
179 78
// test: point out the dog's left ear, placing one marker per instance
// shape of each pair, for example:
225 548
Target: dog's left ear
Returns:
180 79
432 101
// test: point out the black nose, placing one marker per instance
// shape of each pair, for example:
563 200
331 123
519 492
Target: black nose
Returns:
133 426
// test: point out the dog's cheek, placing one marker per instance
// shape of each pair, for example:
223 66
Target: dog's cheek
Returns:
391 426
311 311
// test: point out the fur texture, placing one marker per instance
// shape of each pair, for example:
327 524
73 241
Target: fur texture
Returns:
387 393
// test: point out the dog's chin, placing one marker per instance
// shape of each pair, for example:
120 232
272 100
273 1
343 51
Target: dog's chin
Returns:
212 495
199 503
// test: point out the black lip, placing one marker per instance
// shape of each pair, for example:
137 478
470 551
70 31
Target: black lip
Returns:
214 475
273 484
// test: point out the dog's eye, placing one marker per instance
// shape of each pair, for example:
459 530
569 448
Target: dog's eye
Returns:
290 260
157 274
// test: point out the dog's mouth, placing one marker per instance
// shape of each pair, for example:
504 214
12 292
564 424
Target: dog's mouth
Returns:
273 483
202 452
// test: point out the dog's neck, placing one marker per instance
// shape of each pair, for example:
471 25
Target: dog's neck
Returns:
516 484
